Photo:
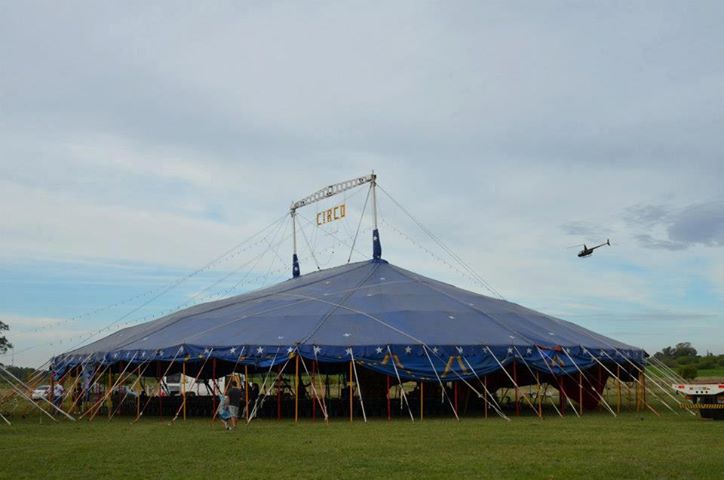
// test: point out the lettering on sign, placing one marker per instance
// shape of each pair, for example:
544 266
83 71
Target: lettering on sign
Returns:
331 214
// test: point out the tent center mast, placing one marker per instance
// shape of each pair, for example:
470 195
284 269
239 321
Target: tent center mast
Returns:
330 191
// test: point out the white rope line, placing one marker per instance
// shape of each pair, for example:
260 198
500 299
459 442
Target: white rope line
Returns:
442 387
359 224
558 380
193 383
25 396
532 374
324 399
133 385
110 391
582 375
637 381
490 350
263 393
42 397
160 383
443 246
402 389
314 390
496 406
359 390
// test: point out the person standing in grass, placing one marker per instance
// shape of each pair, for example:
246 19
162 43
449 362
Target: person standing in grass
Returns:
234 395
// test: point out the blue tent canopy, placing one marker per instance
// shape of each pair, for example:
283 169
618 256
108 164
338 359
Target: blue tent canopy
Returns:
382 316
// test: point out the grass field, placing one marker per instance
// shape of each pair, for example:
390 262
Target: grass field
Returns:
711 373
596 446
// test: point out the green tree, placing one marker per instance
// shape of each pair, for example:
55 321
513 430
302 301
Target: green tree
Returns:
689 372
5 345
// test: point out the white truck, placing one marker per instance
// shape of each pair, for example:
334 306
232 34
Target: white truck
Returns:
708 398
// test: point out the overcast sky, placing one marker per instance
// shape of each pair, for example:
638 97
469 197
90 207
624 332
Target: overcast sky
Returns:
138 142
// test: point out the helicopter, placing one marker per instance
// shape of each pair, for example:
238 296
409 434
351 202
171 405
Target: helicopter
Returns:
588 251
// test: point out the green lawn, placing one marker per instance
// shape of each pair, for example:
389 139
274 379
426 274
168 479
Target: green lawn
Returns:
595 446
717 373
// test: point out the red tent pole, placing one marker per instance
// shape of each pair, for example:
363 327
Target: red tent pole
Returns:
214 389
160 397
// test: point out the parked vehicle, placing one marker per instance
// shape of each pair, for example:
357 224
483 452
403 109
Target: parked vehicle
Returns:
40 392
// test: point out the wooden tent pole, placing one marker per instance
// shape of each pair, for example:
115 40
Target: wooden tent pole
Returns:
316 397
485 397
538 394
138 397
296 388
110 394
580 392
214 390
351 392
160 398
246 392
389 405
517 394
455 395
183 386
618 389
422 401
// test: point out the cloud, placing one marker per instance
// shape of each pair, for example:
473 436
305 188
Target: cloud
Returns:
696 224
700 224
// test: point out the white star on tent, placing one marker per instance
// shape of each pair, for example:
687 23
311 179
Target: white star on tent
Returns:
317 349
115 355
290 350
378 350
346 334
434 350
206 351
510 349
601 353
408 350
143 354
160 352
181 349
348 351
528 351
232 350
260 350
459 349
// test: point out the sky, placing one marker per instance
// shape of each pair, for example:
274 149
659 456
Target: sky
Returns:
140 141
